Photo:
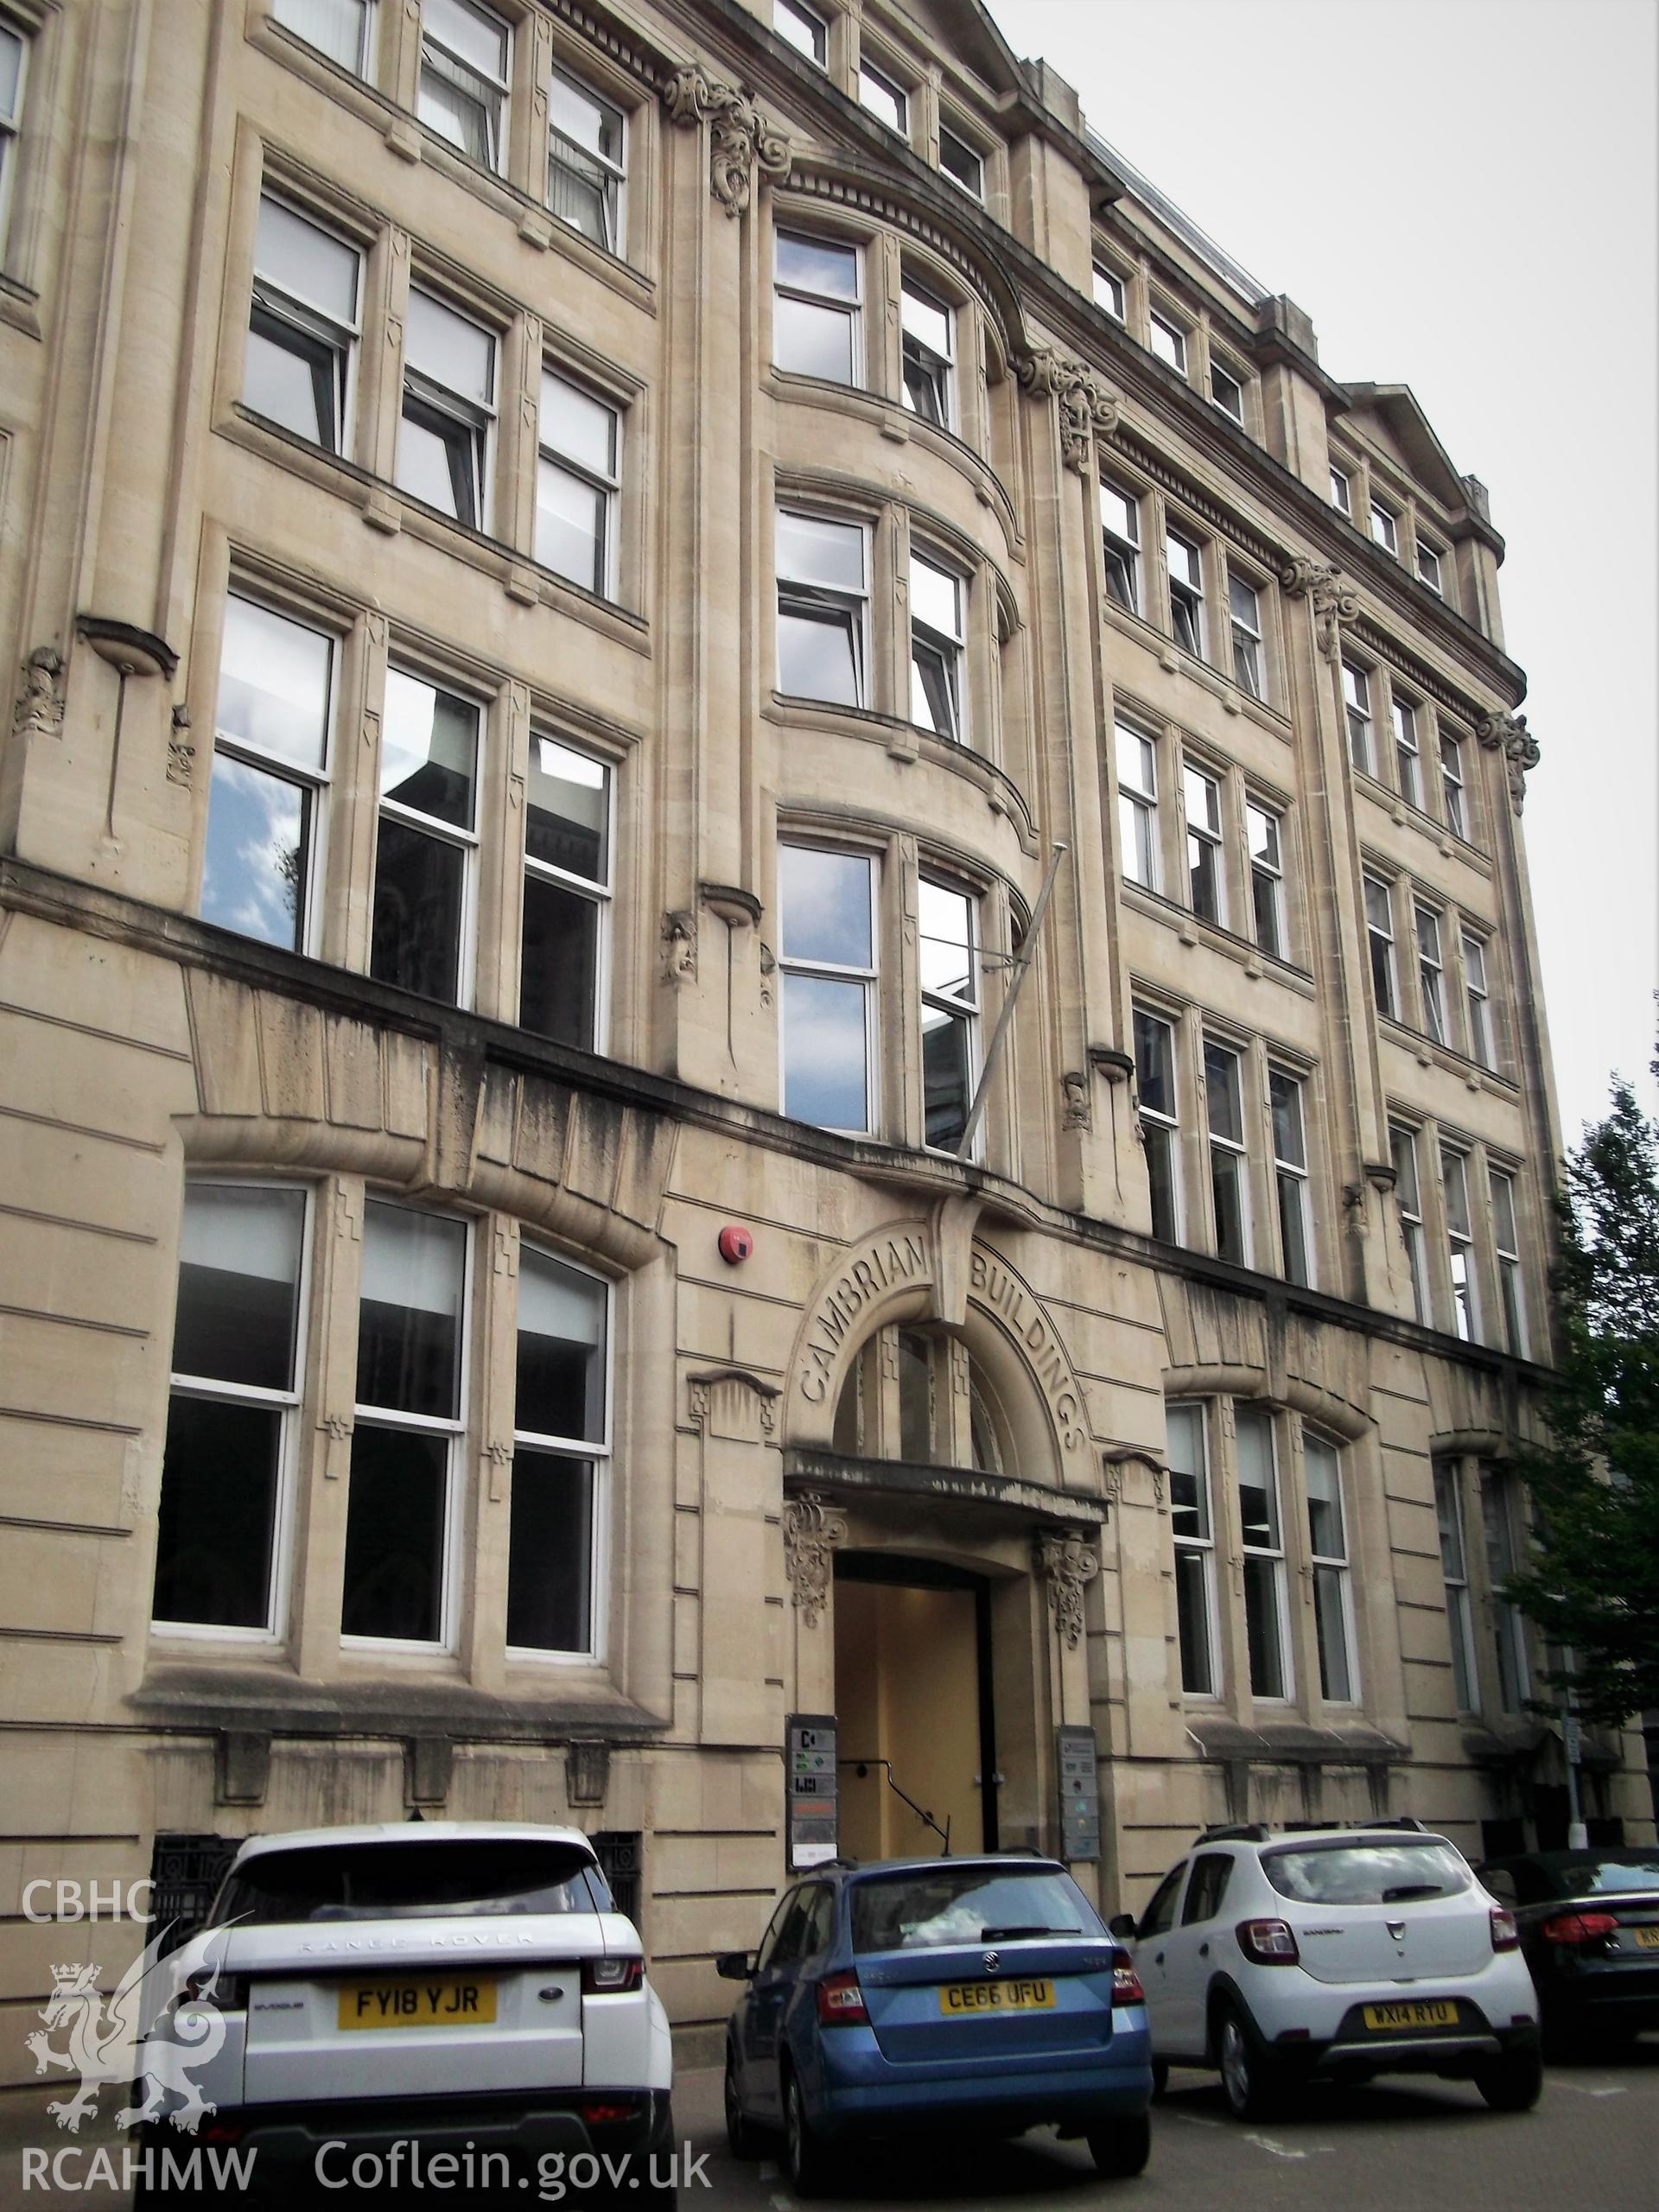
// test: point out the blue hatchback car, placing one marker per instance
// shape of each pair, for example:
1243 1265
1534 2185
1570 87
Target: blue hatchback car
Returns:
958 1995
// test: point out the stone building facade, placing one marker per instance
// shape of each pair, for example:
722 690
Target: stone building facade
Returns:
595 591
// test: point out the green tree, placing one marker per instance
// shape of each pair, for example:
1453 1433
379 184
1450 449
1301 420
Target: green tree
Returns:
1593 1579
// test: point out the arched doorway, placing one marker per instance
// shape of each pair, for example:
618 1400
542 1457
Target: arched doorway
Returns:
914 1708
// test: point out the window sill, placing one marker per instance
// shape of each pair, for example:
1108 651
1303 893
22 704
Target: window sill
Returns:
1193 929
1175 660
1428 1053
905 742
203 1695
1405 815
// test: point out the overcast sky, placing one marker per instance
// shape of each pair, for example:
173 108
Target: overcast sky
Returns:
1463 194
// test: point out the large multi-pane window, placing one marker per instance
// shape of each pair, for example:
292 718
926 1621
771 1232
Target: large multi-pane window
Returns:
1206 873
237 1367
1263 833
302 325
1155 1077
1327 1548
1185 591
577 473
269 776
428 831
947 954
465 63
1454 1572
829 961
822 595
1290 1175
1477 1000
815 316
449 410
1137 805
567 894
1357 703
1192 1528
1498 1506
1506 1248
1379 933
587 160
1431 972
1407 1192
1244 605
1460 1243
409 1419
1262 1548
561 1450
937 630
1407 753
1120 521
340 29
1230 1169
928 334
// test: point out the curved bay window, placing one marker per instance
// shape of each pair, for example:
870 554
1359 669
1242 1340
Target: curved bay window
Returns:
947 932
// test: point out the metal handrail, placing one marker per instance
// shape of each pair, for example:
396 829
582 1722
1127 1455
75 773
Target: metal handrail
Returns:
926 1819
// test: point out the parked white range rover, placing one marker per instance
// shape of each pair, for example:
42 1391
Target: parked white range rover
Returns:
1279 1956
459 1985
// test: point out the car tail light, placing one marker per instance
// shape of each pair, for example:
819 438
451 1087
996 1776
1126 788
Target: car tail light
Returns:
609 1977
1504 1934
226 1992
1578 1927
841 2002
1125 1982
607 2112
1268 1943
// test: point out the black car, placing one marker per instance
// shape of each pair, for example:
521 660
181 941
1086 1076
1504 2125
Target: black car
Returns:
1589 1926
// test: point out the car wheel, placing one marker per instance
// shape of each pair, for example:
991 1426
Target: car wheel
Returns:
1513 2081
1248 2077
742 2137
806 2160
1160 2080
1123 2148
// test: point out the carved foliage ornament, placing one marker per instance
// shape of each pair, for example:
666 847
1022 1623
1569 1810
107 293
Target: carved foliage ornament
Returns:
1509 734
740 140
1333 600
813 1527
1088 411
1068 1563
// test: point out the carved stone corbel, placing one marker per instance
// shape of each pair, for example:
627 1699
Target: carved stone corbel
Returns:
1088 411
680 946
181 753
730 1401
740 139
1333 600
1509 734
38 711
1074 1088
813 1528
1068 1565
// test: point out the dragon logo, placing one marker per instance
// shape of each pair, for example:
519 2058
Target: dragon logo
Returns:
153 2032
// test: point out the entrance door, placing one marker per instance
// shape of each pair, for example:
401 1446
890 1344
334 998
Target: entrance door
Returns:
912 1708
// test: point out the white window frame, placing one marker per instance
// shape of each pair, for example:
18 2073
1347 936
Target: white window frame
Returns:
810 599
608 486
1385 526
1104 279
1172 352
949 647
366 39
938 370
1356 707
1381 944
1477 999
497 105
1273 1553
1460 1243
976 190
1453 790
1204 839
612 176
1234 1148
1266 865
1506 1251
442 832
1201 1548
1430 573
873 79
1167 1126
1119 550
967 1010
1431 971
307 321
601 891
1454 1575
1407 753
1335 1568
1138 806
870 978
1186 595
852 311
1509 1634
452 1519
1408 1199
1221 375
807 25
1341 491
1291 1178
287 1404
475 418
578 1448
1249 669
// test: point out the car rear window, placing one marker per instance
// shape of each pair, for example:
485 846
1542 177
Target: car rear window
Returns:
967 1904
1607 1873
406 1881
1366 1873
